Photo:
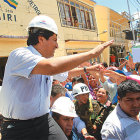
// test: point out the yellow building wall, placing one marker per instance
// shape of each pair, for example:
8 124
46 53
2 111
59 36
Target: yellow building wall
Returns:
7 45
102 18
14 22
77 34
119 20
72 33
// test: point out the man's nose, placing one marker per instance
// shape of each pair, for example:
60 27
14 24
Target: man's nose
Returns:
56 45
70 123
136 103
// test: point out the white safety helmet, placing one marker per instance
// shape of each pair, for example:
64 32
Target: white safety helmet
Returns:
64 106
79 89
44 22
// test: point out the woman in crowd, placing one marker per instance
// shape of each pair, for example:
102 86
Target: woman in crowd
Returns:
105 109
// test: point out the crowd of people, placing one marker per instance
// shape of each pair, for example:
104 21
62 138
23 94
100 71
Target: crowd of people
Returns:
109 105
66 98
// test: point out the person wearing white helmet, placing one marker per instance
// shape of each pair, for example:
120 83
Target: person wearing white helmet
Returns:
86 108
29 73
63 111
78 125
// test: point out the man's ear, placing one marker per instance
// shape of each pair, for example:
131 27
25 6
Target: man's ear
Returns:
40 39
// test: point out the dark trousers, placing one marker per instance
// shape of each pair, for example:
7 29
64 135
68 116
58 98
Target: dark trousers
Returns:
41 128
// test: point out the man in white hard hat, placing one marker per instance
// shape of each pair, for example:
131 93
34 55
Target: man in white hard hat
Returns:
63 111
26 88
78 125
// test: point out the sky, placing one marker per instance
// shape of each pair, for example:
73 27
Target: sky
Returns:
121 5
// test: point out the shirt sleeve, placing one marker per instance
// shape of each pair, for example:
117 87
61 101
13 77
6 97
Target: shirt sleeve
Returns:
111 132
61 77
22 61
78 124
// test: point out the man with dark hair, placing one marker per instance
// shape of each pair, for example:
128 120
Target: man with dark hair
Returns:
63 111
26 88
35 32
124 121
61 105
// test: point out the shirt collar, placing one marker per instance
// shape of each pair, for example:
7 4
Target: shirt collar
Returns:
122 113
33 50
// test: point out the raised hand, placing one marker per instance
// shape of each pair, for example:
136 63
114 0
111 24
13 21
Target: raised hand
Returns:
118 77
99 49
131 63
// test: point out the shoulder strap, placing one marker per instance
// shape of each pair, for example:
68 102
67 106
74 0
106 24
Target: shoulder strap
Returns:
93 115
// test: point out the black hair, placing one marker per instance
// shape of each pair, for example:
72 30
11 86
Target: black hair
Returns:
78 79
35 32
55 115
105 64
57 89
128 86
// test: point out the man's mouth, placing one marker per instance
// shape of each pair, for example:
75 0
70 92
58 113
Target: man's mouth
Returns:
69 130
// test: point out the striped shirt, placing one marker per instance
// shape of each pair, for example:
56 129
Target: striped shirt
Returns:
24 95
119 126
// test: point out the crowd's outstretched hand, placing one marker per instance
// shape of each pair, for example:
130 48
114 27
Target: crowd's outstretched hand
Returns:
131 63
122 65
118 77
95 68
89 137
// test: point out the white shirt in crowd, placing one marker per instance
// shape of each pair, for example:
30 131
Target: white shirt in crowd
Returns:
119 126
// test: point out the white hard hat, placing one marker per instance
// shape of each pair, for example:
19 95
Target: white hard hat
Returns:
44 22
64 106
79 89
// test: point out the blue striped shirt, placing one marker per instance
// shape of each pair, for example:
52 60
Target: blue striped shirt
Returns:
119 126
24 95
